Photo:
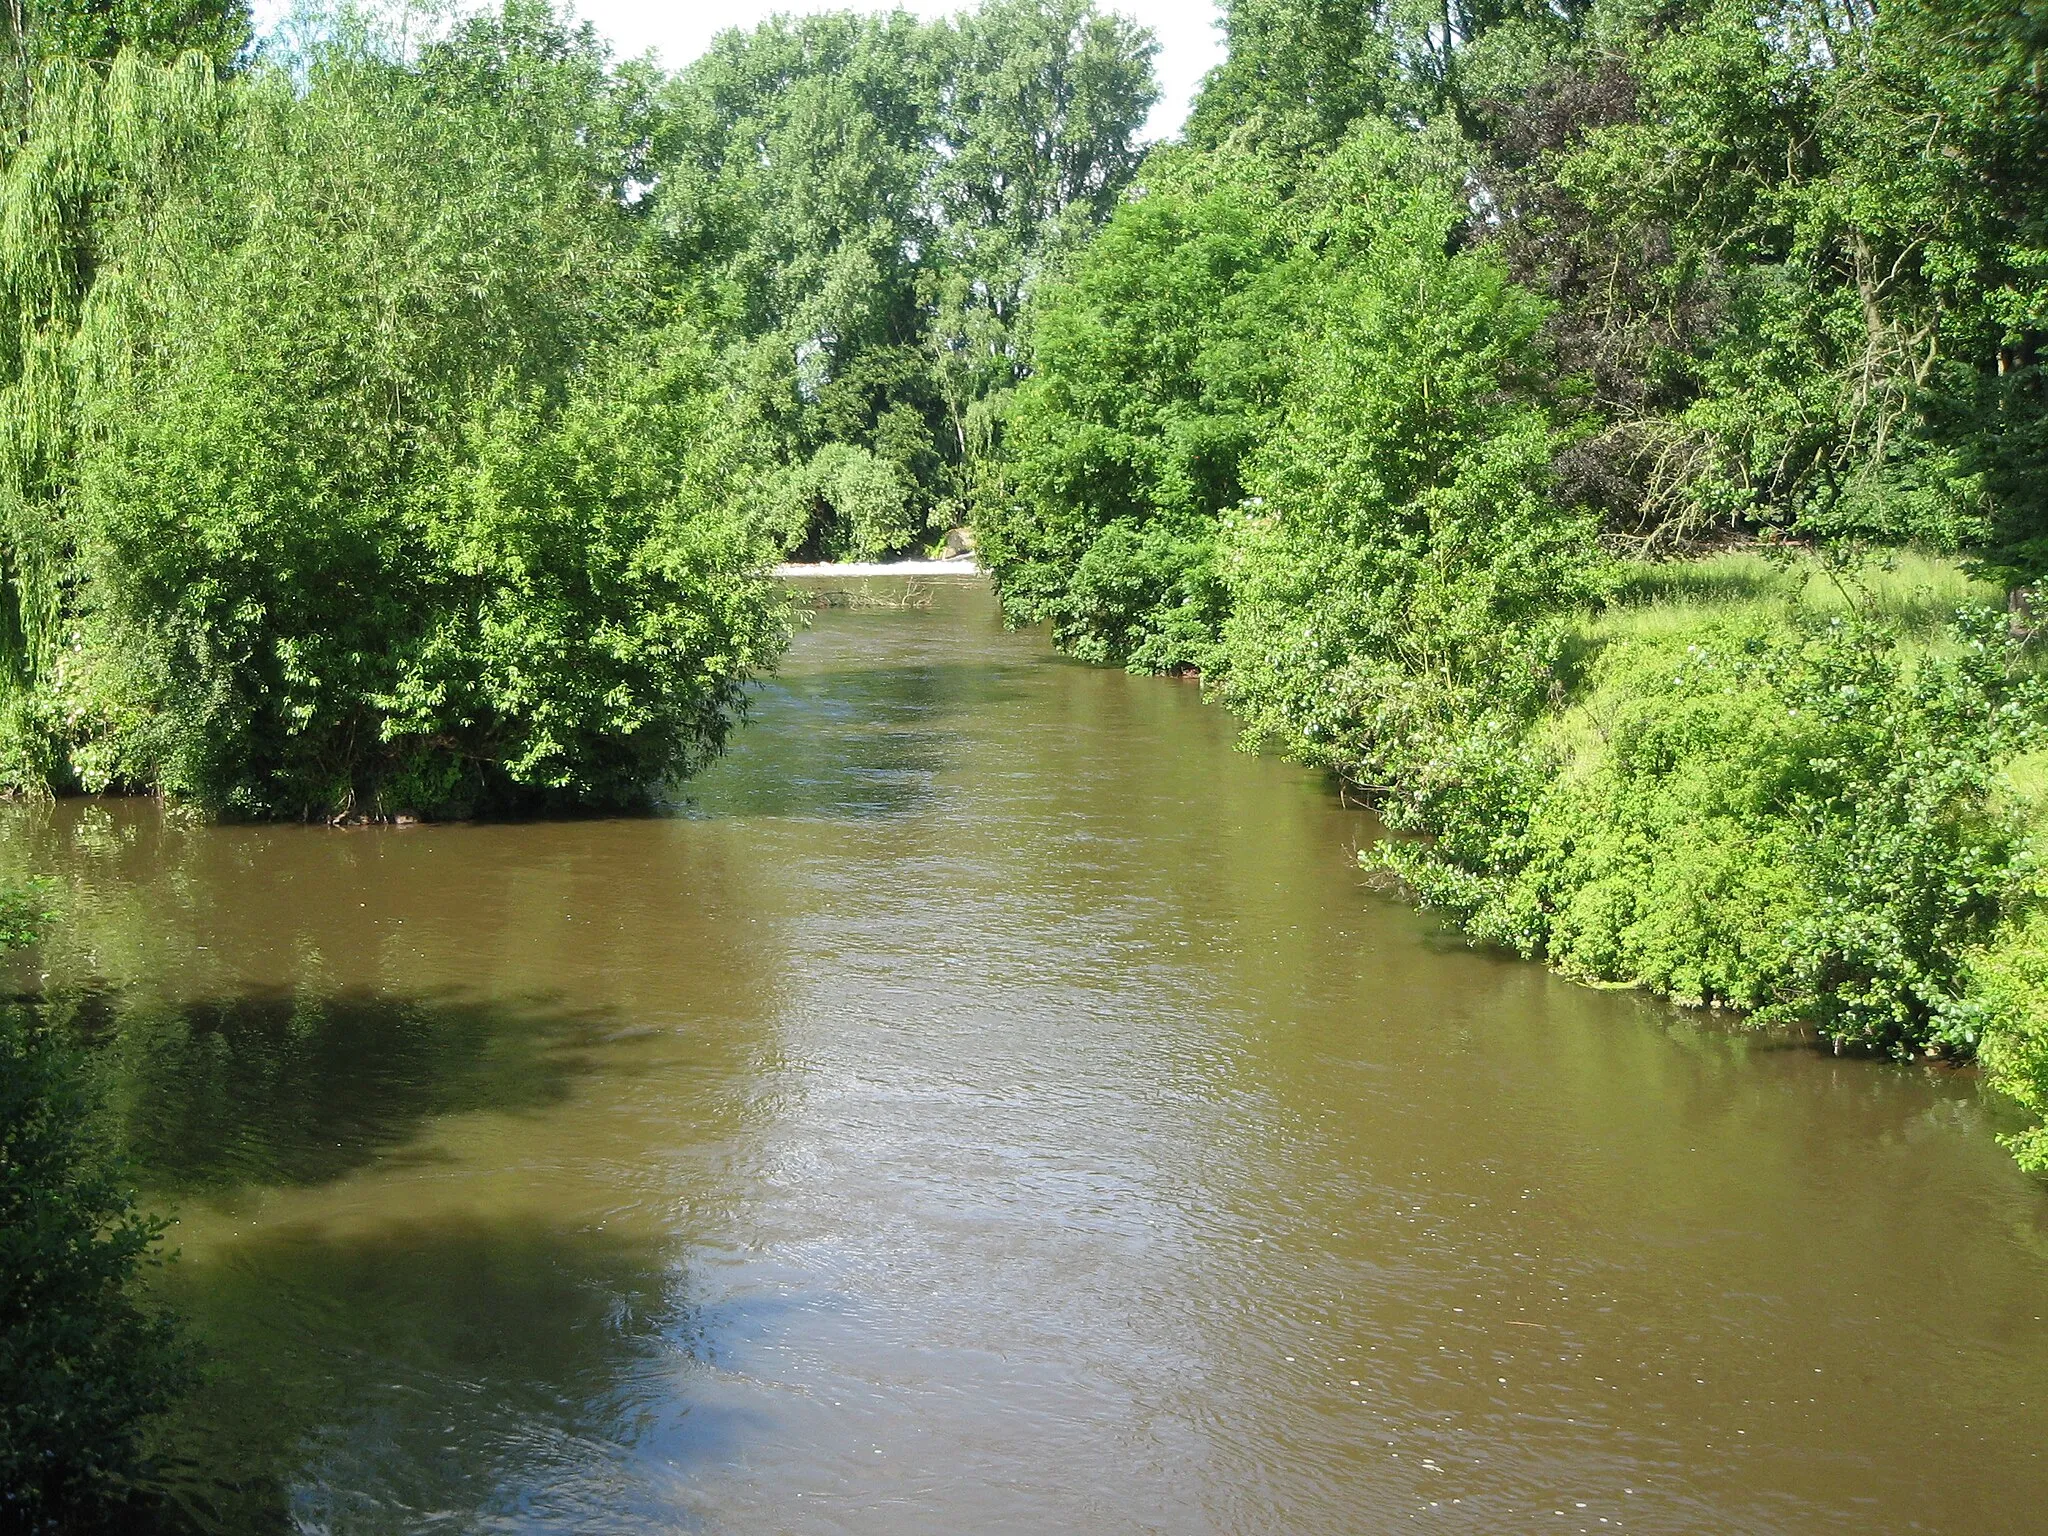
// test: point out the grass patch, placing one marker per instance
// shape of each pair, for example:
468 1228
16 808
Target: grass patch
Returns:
1917 592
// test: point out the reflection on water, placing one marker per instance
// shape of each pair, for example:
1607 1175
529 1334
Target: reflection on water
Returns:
874 742
992 1103
403 1373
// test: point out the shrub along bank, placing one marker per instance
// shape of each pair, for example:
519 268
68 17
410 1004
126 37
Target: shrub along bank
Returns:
1403 400
1808 804
85 1360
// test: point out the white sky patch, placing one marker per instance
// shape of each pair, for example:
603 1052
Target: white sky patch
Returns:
677 31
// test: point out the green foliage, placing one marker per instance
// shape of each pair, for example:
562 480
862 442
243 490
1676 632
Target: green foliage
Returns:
1797 249
84 1363
1794 819
1274 398
862 203
1354 404
1399 567
1158 364
1299 73
161 29
36 35
851 503
2008 1007
555 606
380 480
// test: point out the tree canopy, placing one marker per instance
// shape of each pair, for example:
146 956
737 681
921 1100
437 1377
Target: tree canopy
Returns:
862 202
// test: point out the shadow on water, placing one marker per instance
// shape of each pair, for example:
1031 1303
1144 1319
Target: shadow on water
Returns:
298 1087
379 1377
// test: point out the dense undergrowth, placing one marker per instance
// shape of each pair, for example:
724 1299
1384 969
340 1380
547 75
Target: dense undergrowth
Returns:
1609 436
1796 793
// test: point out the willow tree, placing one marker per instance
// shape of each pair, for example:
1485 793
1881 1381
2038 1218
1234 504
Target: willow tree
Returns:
35 35
356 466
102 152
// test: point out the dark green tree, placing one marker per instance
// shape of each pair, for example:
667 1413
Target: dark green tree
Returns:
1796 253
85 1361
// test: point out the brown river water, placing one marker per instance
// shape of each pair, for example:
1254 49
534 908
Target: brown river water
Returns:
991 1103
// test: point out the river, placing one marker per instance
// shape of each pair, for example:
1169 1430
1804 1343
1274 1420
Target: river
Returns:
991 1103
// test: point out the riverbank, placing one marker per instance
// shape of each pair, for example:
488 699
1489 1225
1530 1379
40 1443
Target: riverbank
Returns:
1813 792
1800 789
1809 794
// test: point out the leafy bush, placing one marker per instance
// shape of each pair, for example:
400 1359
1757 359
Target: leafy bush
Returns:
1801 822
1400 568
556 604
846 503
1159 362
84 1363
2007 1001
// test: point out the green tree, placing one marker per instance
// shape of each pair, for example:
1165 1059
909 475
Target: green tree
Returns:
864 203
1796 249
40 32
1399 568
1297 74
84 1361
382 480
35 34
1158 363
1038 127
